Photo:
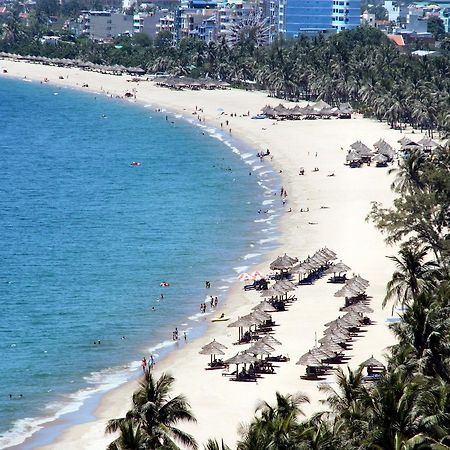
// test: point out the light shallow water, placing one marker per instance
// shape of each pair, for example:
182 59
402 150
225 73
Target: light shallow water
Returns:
86 239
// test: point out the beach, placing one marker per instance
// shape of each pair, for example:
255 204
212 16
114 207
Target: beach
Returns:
336 210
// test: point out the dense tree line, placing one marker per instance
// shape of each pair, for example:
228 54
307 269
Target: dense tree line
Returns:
361 67
409 407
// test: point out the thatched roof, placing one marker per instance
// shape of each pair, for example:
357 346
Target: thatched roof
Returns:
319 105
269 111
211 351
215 344
428 142
260 348
270 340
309 360
283 262
353 156
379 158
345 108
404 141
264 306
372 362
241 358
338 268
347 291
361 148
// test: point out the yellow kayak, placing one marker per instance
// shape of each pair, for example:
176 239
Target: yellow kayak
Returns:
220 319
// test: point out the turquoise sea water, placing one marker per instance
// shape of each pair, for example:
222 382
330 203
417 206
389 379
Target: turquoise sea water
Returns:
86 239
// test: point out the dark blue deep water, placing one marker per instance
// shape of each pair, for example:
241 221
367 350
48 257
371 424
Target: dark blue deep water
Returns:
86 239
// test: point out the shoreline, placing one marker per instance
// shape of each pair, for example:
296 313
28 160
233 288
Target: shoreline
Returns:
334 220
54 426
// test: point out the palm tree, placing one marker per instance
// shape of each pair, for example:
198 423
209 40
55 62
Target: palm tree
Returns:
411 276
131 437
275 427
155 414
212 444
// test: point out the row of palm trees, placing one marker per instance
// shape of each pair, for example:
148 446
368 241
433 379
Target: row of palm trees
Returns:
409 407
359 66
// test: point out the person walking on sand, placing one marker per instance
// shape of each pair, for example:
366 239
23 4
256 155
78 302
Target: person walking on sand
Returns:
184 335
143 364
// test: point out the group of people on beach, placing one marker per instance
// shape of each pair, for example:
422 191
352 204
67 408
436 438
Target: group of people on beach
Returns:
150 363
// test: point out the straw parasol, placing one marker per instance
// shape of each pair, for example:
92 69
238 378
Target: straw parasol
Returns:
215 344
359 308
428 142
331 346
260 348
379 159
270 340
261 315
347 291
264 306
372 362
283 262
319 353
332 338
241 358
352 156
285 285
301 269
272 292
339 267
212 351
309 360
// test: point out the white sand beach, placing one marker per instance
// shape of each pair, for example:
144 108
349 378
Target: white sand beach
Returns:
338 207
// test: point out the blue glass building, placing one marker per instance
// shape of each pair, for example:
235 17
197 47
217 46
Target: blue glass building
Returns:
317 16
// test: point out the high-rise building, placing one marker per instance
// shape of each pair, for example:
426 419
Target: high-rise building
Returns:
312 17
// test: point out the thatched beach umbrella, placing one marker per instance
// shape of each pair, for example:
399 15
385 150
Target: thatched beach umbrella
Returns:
244 321
359 308
264 306
379 159
241 358
347 292
339 267
284 285
319 353
261 315
309 360
428 143
353 156
283 262
372 362
260 348
270 340
212 351
215 344
331 346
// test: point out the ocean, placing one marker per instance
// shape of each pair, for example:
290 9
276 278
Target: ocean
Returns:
87 238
